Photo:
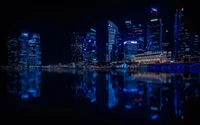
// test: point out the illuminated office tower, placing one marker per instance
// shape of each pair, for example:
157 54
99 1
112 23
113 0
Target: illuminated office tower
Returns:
119 53
195 45
90 47
112 31
166 41
128 32
34 50
154 31
130 49
138 34
181 35
23 39
76 47
13 51
30 49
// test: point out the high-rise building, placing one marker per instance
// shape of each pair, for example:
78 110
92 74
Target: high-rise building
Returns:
25 50
112 31
181 35
119 53
30 49
138 34
154 31
195 45
13 51
166 41
130 49
76 47
128 32
90 47
129 41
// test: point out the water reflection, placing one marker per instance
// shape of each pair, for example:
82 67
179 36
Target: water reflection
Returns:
155 93
85 85
26 83
151 95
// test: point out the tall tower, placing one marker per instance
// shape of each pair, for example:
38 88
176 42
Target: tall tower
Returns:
154 31
13 51
30 50
90 47
181 35
76 47
166 41
112 31
138 34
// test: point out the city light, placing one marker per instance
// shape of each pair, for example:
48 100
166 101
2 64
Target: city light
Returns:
154 9
153 20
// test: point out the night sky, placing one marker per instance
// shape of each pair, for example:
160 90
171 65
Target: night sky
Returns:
54 22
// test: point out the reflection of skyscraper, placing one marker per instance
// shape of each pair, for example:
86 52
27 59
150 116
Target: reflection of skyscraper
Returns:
29 83
86 86
154 31
112 98
89 47
112 31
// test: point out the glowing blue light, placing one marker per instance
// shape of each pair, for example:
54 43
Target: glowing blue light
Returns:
140 24
93 100
93 30
89 41
130 90
24 34
128 106
154 108
154 9
125 42
133 42
153 117
153 20
24 96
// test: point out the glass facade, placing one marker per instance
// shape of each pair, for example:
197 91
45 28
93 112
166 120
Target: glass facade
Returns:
90 47
181 35
25 51
138 34
112 31
154 32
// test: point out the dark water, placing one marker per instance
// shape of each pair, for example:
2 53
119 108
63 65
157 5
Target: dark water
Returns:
102 97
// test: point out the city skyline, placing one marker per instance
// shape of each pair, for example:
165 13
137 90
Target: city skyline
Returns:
62 51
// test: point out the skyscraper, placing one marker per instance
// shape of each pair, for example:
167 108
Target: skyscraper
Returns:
181 35
195 45
138 34
90 47
112 31
166 41
129 41
154 31
25 50
119 53
76 47
13 51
